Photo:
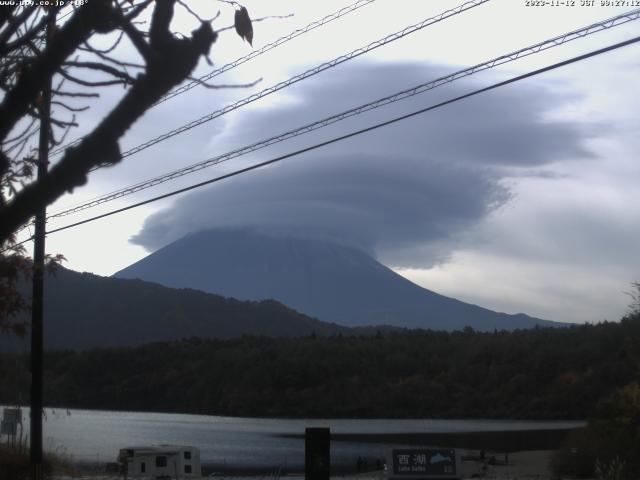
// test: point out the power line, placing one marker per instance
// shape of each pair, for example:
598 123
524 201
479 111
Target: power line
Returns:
355 133
509 57
307 74
296 33
254 53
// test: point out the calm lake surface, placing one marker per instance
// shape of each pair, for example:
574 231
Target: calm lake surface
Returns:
89 435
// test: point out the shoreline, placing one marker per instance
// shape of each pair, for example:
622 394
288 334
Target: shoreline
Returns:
508 454
531 464
503 445
325 417
502 441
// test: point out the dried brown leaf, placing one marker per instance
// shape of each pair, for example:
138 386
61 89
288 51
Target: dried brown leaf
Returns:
243 25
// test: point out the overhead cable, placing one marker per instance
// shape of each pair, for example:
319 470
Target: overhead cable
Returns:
254 53
404 94
353 134
307 74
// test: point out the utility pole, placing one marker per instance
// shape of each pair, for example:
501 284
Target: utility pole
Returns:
38 285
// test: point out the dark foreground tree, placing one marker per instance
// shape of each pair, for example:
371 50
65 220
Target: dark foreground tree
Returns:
57 45
608 447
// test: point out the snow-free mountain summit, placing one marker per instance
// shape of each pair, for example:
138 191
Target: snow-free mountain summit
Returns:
323 279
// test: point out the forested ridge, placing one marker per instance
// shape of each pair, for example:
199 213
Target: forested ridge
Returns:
537 373
117 312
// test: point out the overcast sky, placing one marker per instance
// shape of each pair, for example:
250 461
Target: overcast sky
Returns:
522 199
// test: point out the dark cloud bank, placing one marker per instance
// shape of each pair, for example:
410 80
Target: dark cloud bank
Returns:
405 193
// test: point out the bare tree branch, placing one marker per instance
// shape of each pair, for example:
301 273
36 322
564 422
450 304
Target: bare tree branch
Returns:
62 93
100 147
90 48
13 26
94 15
102 67
136 38
88 83
30 35
70 108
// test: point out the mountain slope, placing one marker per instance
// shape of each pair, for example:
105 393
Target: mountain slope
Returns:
83 310
325 280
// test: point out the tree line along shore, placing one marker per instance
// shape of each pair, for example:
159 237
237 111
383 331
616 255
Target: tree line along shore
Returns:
541 373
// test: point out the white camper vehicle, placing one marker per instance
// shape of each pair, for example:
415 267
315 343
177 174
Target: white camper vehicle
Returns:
160 462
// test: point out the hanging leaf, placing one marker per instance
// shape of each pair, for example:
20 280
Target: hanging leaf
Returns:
243 25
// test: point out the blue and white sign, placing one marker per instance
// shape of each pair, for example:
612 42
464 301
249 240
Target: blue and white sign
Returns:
413 463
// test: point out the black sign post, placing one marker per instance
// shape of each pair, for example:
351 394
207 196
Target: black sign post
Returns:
316 455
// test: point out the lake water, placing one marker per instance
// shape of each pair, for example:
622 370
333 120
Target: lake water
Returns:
90 436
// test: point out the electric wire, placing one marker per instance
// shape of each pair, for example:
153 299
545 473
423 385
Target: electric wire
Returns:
421 88
254 53
304 75
349 135
296 33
